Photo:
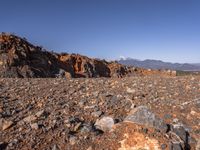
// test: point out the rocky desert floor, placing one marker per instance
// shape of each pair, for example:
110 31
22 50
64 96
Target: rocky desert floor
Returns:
53 114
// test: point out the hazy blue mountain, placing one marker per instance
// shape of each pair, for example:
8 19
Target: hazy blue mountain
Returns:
158 64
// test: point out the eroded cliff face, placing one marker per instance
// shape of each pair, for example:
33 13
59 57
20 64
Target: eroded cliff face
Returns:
82 66
19 58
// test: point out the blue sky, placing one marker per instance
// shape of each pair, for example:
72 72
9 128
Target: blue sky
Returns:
167 30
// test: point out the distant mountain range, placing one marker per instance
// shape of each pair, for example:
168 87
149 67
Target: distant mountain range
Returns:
158 64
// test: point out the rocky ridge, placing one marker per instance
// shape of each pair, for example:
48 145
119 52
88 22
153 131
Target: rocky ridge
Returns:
19 58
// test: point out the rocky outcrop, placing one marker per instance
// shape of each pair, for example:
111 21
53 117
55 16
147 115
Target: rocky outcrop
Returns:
19 58
82 66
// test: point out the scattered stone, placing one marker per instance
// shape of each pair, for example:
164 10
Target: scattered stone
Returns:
143 116
5 124
130 90
96 113
77 126
198 145
163 146
55 147
89 148
34 126
65 107
30 118
167 116
175 146
72 140
104 124
1 109
39 113
180 131
68 75
86 128
3 146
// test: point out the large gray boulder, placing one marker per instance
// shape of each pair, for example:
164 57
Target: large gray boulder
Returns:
143 116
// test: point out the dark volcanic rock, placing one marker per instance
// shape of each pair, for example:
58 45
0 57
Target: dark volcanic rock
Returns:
3 146
180 131
18 58
143 116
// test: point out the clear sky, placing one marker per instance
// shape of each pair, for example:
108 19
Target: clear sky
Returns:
167 30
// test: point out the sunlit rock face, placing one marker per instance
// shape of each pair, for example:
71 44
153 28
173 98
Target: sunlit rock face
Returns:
19 58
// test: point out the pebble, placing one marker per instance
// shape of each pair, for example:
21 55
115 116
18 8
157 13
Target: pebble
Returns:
96 114
180 131
55 147
30 118
3 145
72 140
198 145
129 90
39 113
5 124
34 126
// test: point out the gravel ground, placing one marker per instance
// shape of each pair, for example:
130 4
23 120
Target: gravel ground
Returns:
61 113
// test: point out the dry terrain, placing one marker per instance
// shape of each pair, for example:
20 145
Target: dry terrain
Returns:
100 113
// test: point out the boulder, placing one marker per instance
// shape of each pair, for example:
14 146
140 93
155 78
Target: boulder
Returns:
143 116
5 124
104 124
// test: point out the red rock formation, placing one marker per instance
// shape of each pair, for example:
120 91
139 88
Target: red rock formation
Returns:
82 66
19 58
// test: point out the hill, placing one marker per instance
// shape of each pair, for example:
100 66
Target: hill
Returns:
19 58
157 64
